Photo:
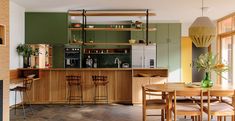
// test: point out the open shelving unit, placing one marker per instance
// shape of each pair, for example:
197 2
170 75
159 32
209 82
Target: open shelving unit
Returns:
84 28
112 29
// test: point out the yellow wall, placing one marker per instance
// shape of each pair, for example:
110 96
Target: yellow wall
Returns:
4 58
186 59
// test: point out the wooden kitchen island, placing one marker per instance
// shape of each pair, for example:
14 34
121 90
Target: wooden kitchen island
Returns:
123 83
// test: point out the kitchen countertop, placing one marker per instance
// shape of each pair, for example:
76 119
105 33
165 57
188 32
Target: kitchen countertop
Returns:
84 69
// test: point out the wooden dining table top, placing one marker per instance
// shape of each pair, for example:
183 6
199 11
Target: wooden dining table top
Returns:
170 87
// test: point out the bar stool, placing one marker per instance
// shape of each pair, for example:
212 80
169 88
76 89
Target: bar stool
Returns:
27 84
74 81
100 81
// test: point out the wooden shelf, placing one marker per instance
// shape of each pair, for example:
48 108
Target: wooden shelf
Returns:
111 29
107 44
110 14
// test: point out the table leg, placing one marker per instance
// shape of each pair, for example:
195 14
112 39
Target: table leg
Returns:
169 107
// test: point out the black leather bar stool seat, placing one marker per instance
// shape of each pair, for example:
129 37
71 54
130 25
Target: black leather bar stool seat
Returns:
100 81
74 81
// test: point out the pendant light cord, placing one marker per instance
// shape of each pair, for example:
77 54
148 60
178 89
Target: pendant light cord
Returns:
202 6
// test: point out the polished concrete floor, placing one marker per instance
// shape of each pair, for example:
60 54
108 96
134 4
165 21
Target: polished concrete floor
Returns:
84 113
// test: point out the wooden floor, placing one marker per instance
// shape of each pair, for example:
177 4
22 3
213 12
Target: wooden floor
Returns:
85 113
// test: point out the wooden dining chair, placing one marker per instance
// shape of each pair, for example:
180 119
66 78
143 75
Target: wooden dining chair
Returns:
158 103
188 108
219 109
180 98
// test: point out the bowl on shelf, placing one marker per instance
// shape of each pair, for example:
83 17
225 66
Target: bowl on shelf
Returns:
132 41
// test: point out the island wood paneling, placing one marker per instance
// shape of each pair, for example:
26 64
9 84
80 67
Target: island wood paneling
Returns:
4 61
52 86
58 86
123 86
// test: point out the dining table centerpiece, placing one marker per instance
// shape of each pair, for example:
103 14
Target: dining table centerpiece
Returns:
208 62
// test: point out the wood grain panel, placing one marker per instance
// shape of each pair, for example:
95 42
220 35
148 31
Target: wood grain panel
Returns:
4 61
42 87
111 85
58 86
137 83
123 86
89 85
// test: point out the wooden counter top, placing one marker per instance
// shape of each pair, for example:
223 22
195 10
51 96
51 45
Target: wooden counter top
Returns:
90 69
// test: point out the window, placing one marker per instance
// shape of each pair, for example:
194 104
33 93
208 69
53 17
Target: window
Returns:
226 42
226 55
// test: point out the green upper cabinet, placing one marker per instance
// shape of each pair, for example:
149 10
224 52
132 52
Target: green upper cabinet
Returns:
162 45
46 28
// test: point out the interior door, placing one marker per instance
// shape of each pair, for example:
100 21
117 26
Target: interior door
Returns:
186 59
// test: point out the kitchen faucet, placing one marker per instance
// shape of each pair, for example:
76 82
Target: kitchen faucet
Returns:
117 61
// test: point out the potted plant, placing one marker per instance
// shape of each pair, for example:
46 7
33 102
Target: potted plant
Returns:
208 63
26 51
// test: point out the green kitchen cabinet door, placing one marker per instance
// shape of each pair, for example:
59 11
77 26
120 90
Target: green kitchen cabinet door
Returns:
175 52
58 56
162 45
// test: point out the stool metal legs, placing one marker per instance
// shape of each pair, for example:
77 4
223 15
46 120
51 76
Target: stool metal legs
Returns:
101 98
23 103
80 97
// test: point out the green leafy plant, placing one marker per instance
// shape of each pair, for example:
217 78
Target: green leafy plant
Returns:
24 50
208 63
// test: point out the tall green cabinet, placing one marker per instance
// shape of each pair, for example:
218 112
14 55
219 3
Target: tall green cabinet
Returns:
169 49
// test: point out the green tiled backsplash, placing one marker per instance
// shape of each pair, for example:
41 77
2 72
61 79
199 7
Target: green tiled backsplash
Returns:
107 60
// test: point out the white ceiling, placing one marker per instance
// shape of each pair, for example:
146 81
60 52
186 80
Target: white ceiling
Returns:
166 10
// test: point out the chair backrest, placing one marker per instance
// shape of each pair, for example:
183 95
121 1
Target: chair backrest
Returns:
218 93
71 79
188 93
148 92
221 93
99 78
27 83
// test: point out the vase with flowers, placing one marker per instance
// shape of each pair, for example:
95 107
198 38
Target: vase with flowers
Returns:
208 63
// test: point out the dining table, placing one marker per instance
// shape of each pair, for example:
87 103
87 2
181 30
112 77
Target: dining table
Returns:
169 88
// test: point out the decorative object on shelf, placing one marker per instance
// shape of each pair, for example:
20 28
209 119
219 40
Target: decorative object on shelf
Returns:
202 31
76 25
26 51
138 24
141 41
132 41
208 63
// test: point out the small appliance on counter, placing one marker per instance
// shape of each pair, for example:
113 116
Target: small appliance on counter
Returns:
72 58
125 65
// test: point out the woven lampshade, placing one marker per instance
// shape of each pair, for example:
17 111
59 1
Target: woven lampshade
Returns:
202 32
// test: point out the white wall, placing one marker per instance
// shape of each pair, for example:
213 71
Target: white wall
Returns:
17 33
17 36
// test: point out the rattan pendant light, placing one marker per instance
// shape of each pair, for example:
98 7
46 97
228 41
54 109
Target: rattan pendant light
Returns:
202 31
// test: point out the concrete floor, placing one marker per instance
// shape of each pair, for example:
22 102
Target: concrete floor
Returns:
84 113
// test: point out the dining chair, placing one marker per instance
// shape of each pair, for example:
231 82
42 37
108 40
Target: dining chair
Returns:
180 98
158 103
219 109
188 108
